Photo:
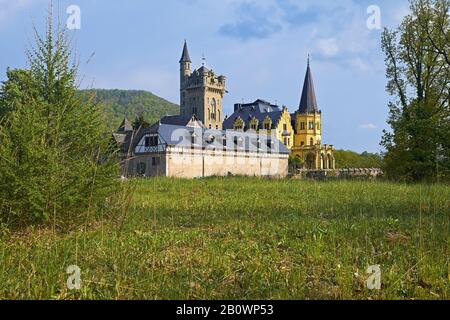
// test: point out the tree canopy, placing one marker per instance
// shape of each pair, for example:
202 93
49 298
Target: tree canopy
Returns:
418 72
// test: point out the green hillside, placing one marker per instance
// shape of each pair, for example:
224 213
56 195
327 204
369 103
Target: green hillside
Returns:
120 103
350 159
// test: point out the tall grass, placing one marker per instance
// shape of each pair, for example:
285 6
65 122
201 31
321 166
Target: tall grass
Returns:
242 238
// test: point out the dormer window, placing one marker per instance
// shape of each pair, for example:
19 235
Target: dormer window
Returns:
151 141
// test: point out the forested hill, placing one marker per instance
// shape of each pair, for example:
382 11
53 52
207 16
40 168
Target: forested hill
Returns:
131 103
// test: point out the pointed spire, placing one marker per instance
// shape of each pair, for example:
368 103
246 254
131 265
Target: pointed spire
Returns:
185 56
308 103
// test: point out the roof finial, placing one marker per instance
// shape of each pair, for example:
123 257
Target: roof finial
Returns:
203 60
309 57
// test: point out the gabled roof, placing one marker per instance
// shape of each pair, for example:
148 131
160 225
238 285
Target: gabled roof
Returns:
185 56
187 121
125 139
125 126
308 102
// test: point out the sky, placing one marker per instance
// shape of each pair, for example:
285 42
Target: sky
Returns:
261 46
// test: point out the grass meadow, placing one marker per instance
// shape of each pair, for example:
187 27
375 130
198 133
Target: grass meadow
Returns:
244 238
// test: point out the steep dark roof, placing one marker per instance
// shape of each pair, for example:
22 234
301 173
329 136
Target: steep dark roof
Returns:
203 70
308 102
180 120
125 126
185 56
126 139
259 109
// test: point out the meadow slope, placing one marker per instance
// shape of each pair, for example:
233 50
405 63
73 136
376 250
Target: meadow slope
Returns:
244 238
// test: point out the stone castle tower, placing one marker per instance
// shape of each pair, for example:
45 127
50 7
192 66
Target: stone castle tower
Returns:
201 93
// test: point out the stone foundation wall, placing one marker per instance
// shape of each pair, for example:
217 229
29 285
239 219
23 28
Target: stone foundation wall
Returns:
209 163
194 163
368 173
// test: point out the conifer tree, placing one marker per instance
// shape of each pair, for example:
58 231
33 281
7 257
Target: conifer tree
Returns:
54 160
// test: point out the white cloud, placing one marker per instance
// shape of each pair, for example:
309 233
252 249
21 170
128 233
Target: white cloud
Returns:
328 47
369 126
359 63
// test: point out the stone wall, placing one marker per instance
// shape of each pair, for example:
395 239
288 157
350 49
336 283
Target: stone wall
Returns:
353 173
206 163
195 163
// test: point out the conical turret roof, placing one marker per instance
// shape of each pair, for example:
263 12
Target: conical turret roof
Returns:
185 56
308 102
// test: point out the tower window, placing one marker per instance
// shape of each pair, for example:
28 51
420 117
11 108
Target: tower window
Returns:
311 125
302 126
311 142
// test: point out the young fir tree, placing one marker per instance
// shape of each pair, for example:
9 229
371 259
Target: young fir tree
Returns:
55 162
418 71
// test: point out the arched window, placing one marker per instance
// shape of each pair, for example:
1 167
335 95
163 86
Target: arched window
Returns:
311 142
214 108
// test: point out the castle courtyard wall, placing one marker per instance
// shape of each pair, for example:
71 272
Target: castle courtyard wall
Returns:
194 163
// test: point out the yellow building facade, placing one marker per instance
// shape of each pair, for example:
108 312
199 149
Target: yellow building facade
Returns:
301 132
308 145
264 118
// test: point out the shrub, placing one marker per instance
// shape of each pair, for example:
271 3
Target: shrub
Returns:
54 147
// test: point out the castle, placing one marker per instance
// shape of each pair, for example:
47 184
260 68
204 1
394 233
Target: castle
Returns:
256 140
